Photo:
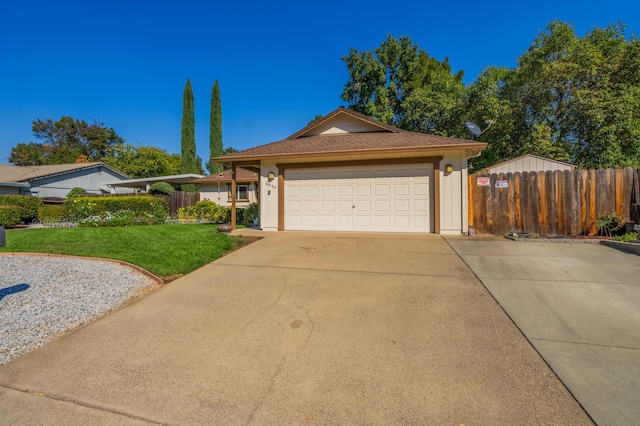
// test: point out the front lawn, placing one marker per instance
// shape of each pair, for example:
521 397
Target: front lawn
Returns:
163 250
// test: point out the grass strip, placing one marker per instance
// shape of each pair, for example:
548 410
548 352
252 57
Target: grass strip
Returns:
161 249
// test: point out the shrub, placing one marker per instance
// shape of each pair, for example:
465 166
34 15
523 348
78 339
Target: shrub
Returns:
86 207
28 205
251 213
10 216
609 223
76 192
161 188
50 213
630 236
205 211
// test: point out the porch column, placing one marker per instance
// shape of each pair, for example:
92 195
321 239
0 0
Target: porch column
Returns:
233 196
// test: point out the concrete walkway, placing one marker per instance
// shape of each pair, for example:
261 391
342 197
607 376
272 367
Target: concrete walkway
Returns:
579 305
299 329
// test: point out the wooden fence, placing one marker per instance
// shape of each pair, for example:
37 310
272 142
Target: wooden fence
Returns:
551 203
179 199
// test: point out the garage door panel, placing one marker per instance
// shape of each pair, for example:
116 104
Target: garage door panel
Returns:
382 206
345 206
328 206
328 190
294 191
382 190
345 190
401 206
363 221
401 190
363 206
421 206
345 221
363 190
421 189
362 198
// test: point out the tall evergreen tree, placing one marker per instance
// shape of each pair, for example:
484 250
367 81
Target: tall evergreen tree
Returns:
188 141
215 130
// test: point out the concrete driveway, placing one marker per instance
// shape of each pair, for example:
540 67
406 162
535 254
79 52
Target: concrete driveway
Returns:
579 305
299 329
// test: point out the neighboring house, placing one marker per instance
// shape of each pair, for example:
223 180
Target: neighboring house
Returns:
349 172
528 163
217 187
57 180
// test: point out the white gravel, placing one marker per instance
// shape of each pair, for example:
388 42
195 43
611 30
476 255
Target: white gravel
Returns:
63 293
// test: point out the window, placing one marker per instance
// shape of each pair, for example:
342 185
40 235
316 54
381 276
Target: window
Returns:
242 193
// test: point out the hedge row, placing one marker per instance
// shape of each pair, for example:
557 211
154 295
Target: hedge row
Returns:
87 207
28 206
210 211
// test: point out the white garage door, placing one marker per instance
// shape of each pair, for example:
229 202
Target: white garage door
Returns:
362 198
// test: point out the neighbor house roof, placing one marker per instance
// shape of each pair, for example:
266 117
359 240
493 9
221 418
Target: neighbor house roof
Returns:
526 161
387 138
243 175
144 182
29 173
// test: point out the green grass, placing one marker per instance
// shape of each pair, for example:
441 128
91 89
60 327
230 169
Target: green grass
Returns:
161 249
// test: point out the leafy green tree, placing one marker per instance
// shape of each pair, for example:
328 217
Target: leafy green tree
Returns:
76 192
188 141
65 141
144 161
570 98
400 84
215 130
161 188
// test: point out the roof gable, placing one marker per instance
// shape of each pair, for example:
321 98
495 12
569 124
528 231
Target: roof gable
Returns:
343 120
526 159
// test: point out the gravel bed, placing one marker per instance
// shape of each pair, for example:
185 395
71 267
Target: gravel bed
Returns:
63 293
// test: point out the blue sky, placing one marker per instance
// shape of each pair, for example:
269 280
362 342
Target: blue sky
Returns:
278 64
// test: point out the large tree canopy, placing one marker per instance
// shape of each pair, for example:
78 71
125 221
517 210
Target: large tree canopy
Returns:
144 161
570 98
66 141
400 84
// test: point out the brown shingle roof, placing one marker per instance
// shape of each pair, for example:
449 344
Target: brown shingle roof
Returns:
349 142
243 176
387 139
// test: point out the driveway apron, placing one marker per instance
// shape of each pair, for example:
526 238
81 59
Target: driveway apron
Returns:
579 305
299 328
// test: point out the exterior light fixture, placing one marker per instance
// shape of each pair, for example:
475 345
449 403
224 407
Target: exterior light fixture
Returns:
448 168
271 176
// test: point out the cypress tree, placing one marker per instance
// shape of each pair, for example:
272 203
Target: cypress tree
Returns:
215 130
188 141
